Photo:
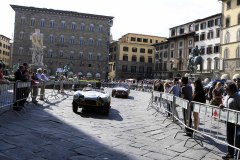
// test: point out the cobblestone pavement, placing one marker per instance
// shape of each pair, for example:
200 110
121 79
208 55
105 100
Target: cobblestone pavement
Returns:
52 131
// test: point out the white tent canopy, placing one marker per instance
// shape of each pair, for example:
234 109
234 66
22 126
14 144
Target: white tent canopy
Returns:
235 76
225 76
80 73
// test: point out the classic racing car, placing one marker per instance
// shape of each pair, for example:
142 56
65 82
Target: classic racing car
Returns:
121 90
91 99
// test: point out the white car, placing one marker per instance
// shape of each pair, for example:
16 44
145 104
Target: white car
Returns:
91 99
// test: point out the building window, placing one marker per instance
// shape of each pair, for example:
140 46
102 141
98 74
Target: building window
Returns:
100 29
209 49
61 53
133 39
228 4
22 20
63 24
150 51
216 63
51 38
216 49
42 23
181 30
124 68
165 54
217 33
139 39
191 27
50 53
90 41
125 49
32 22
99 42
91 27
172 45
74 26
196 37
203 25
172 54
145 40
134 49
190 42
71 55
141 69
225 57
209 62
90 56
133 69
52 24
227 38
217 22
142 59
173 32
238 35
202 50
238 57
202 36
239 18
142 50
72 40
197 27
210 23
125 57
62 39
228 22
134 58
82 27
99 57
150 60
210 34
21 35
149 70
81 41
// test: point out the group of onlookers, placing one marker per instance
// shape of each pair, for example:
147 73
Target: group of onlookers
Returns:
225 95
24 74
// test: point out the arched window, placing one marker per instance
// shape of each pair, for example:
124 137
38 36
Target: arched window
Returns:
51 38
238 18
82 27
62 38
72 40
42 22
91 28
52 24
238 57
227 22
90 56
225 57
81 41
209 63
216 63
227 38
99 57
238 35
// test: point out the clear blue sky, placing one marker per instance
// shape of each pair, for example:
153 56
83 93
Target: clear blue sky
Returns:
151 17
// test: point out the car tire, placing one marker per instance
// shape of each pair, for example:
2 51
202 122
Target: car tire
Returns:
74 107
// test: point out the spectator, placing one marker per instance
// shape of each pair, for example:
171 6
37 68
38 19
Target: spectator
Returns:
186 93
39 78
237 81
2 79
232 101
217 94
18 75
45 79
175 90
198 96
34 87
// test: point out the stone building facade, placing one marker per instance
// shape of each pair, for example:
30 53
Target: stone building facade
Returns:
80 40
132 56
5 50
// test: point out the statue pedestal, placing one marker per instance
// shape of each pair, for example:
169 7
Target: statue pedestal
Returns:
34 67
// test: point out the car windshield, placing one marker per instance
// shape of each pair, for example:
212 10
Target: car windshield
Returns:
122 85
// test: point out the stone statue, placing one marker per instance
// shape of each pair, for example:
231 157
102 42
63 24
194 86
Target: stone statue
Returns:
37 48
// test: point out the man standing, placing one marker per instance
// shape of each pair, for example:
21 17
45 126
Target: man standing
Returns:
45 79
232 101
186 93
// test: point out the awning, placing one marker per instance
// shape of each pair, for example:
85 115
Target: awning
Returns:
225 76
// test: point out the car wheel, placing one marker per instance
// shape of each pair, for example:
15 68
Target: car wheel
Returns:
74 107
106 109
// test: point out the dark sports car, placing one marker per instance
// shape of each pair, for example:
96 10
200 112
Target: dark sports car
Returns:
91 99
121 90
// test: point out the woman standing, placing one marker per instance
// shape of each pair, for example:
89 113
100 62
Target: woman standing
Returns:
198 96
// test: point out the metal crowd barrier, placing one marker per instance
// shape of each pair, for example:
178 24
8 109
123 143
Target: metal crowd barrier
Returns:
211 121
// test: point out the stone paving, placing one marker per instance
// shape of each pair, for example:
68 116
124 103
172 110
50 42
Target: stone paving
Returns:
52 131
